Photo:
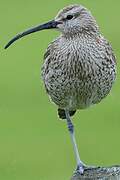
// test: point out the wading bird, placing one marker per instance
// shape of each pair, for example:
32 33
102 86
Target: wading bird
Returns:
79 66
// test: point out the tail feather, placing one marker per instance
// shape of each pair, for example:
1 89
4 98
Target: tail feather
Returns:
61 113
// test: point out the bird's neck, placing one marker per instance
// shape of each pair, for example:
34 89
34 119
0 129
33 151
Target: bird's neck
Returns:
81 34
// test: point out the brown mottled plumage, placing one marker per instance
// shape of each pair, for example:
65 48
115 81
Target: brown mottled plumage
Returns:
79 66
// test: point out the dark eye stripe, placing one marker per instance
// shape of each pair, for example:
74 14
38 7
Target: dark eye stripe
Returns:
77 14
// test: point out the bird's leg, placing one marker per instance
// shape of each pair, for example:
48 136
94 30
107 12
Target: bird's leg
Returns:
80 164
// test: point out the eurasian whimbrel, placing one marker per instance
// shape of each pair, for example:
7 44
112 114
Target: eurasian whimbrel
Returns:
79 68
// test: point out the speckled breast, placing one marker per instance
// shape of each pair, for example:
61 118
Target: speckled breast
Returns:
78 73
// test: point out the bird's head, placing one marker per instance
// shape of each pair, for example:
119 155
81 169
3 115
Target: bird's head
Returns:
71 20
76 19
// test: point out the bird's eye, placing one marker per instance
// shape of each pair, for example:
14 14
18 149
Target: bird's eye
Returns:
69 17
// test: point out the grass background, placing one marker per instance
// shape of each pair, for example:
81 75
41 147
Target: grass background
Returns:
34 144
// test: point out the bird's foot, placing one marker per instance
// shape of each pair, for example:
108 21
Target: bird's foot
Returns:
80 169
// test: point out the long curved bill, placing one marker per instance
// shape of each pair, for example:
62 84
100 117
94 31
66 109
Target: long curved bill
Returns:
50 25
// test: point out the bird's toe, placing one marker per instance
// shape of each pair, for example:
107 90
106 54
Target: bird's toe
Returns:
80 169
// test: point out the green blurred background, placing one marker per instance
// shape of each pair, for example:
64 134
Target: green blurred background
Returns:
34 144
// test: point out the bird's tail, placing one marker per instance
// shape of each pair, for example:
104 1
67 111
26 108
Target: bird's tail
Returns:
61 113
